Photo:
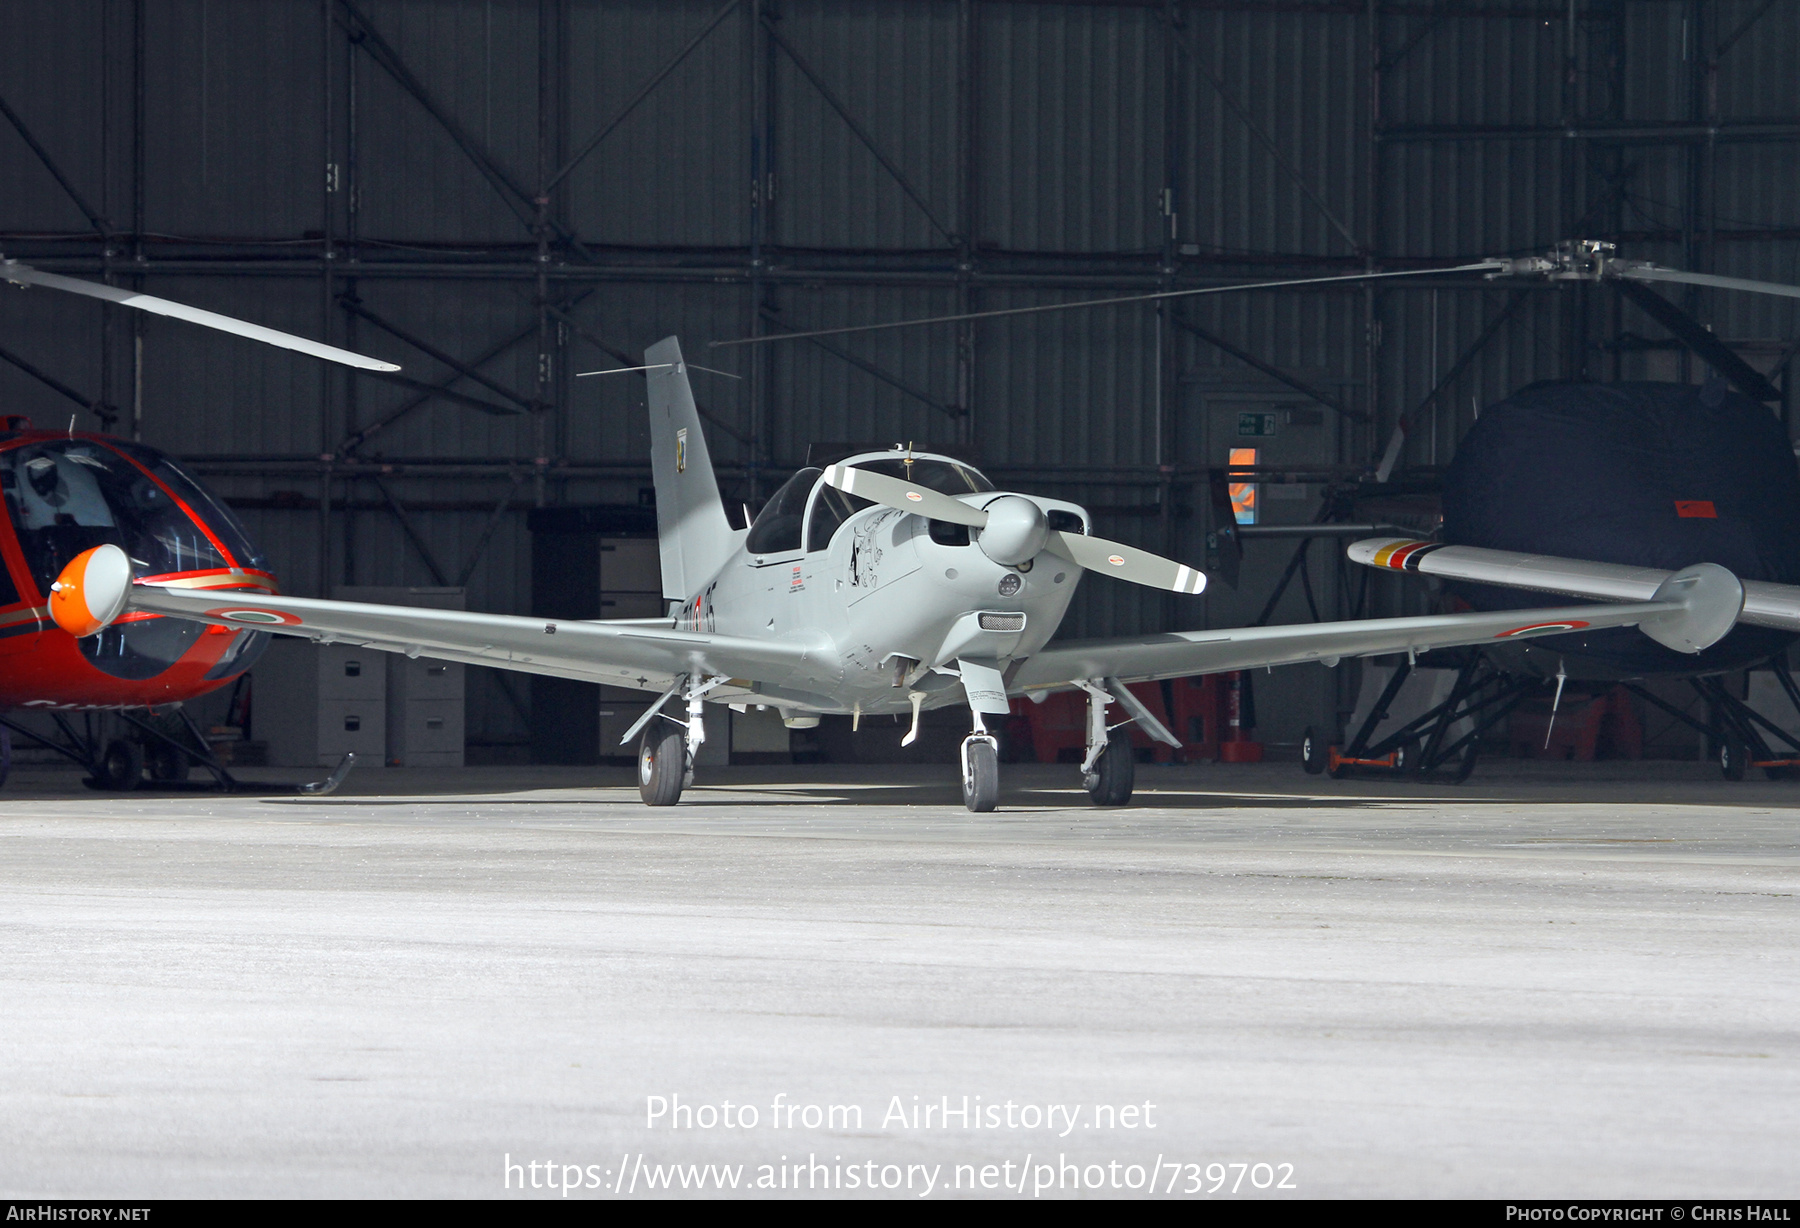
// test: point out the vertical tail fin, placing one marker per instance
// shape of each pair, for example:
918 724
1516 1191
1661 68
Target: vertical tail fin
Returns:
691 526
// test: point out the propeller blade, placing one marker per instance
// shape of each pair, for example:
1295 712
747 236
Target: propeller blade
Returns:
1123 562
1650 272
892 492
25 275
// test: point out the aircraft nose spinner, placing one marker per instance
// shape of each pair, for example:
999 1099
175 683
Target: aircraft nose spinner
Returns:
1016 530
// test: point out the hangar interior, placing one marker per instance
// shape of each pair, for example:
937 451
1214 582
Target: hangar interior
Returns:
504 194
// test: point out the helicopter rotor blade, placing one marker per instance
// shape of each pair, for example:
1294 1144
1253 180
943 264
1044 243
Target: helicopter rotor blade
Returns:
1480 266
1641 272
25 275
1127 563
906 496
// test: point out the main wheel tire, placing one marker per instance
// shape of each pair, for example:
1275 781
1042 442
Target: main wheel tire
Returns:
1115 773
1734 760
981 782
662 765
168 765
121 766
1409 758
1314 751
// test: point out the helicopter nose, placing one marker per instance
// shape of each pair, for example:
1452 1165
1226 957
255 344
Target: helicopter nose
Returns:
1015 530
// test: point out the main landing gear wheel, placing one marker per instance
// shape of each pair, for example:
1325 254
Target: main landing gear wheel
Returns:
1313 751
1109 784
169 765
662 765
981 775
1734 760
120 767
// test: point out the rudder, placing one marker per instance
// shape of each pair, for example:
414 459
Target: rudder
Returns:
692 530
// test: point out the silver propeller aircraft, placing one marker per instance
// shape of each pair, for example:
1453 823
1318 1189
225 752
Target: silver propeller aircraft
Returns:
888 583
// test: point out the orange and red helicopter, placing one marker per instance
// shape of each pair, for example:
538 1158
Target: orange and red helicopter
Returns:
68 491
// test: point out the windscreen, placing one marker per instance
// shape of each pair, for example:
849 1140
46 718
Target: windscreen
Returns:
65 496
218 517
945 477
777 527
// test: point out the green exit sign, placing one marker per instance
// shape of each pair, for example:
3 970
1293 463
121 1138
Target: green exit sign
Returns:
1257 424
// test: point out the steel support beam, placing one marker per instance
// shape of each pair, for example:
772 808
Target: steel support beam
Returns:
857 130
101 226
631 104
863 364
425 347
1273 372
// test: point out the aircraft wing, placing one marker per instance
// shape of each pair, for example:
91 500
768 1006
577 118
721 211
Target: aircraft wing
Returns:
1765 604
1672 619
634 654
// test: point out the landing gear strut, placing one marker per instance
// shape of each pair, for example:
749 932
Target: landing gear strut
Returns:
1109 771
1110 780
986 692
669 747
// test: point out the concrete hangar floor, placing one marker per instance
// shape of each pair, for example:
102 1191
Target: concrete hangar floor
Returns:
1558 980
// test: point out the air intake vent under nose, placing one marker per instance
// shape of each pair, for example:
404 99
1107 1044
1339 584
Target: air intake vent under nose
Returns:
1001 622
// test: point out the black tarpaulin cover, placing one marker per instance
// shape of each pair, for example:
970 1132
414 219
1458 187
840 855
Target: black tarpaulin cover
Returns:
1656 475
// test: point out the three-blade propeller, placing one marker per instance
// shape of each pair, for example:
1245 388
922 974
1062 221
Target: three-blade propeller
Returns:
1014 529
25 275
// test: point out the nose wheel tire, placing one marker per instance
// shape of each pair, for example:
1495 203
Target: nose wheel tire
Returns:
1734 760
662 764
1115 772
981 775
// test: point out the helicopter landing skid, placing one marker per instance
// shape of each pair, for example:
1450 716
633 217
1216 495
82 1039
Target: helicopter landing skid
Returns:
120 764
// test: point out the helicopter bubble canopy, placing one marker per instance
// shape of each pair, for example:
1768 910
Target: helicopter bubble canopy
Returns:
68 495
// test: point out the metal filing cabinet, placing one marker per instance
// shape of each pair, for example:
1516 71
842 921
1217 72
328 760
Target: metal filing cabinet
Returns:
631 587
590 562
313 703
425 705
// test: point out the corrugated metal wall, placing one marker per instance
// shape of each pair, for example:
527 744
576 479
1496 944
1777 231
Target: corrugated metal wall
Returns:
1047 131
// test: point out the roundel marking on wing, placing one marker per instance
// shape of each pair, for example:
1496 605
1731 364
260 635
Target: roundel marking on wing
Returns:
915 496
1115 560
268 618
1574 624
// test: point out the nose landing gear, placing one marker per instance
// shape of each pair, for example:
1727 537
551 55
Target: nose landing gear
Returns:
985 688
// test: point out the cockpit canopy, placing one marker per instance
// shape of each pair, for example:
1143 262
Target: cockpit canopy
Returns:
66 495
783 524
